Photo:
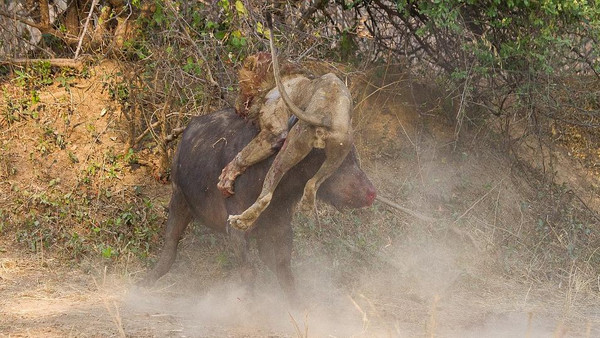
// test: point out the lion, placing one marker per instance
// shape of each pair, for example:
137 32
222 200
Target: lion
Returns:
323 107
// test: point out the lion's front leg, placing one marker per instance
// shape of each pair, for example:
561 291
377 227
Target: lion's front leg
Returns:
245 220
296 147
261 147
228 175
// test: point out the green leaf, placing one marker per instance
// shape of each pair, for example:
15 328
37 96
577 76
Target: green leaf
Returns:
220 35
211 25
107 252
260 29
239 7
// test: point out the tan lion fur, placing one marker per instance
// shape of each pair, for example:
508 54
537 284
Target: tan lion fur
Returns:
323 107
258 101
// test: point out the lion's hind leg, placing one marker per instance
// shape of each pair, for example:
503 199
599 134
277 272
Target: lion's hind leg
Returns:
336 151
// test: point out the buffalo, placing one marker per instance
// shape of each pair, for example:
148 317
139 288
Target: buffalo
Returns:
208 143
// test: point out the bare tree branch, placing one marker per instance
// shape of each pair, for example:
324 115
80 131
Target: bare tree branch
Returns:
319 5
397 206
85 27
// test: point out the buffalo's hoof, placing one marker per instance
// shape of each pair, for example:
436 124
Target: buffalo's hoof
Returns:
239 222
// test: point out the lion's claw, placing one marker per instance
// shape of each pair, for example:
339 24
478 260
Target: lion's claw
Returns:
226 187
238 222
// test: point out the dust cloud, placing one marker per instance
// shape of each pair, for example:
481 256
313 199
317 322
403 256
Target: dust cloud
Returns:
420 287
230 309
455 278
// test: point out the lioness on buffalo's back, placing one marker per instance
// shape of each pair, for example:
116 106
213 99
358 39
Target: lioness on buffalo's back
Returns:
207 144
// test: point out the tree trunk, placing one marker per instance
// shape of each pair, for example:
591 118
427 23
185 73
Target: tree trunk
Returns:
102 26
72 18
44 14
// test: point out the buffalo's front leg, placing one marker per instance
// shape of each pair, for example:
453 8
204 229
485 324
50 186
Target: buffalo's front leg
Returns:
297 145
239 243
274 241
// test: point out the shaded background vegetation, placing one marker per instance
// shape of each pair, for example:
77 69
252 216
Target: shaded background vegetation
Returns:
511 59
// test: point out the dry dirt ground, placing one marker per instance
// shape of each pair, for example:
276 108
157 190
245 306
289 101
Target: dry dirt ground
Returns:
368 273
419 294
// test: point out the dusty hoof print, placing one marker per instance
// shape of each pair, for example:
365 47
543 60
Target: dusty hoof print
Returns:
238 222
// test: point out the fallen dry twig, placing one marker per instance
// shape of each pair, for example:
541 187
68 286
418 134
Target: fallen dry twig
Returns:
477 202
397 206
58 62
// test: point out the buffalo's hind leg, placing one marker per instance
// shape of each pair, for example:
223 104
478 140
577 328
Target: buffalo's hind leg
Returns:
179 217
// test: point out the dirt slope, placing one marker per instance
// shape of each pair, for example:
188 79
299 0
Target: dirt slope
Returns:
485 267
